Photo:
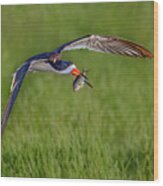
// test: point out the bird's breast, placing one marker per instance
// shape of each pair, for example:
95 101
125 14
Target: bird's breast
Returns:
61 67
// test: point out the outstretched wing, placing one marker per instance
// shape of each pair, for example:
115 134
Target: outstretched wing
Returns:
107 44
15 87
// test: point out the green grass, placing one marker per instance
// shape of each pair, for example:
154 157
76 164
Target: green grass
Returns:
100 133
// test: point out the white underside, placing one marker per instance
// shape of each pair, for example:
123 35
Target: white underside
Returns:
46 67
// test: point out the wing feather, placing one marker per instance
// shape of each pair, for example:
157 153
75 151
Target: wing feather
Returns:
107 44
15 87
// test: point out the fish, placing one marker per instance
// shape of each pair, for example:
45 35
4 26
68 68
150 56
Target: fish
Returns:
80 81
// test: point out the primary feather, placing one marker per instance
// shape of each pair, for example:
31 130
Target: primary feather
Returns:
15 87
107 44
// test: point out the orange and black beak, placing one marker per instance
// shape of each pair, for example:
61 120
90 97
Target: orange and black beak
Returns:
75 72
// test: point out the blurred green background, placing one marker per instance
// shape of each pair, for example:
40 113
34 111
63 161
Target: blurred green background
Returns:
100 133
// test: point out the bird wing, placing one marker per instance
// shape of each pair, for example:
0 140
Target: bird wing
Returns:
18 78
107 44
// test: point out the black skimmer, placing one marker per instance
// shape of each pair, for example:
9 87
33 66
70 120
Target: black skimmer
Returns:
51 61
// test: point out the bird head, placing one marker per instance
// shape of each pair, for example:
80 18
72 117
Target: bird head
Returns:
54 58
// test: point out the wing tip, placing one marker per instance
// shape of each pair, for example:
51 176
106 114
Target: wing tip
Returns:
148 54
142 51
